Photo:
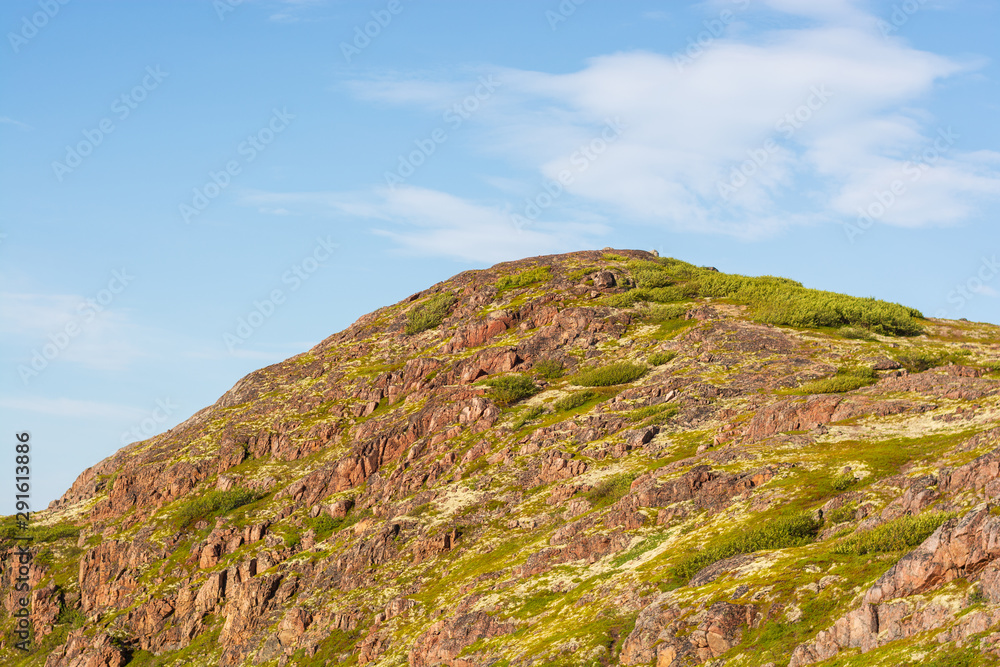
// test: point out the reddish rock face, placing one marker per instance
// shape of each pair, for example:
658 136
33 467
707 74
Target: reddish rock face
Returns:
446 639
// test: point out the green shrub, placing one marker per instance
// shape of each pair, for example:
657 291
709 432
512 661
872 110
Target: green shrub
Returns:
666 313
654 414
842 513
843 482
771 300
550 369
430 313
856 333
581 273
528 415
612 257
509 389
523 279
846 379
212 504
617 373
53 533
323 525
610 489
660 358
781 533
574 400
652 295
786 302
649 275
992 366
918 361
901 534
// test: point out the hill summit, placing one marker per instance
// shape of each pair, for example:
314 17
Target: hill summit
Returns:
596 458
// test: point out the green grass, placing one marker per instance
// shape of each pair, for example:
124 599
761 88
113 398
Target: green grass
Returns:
509 389
902 534
574 400
660 358
430 313
523 279
529 415
607 376
846 379
780 533
550 369
212 504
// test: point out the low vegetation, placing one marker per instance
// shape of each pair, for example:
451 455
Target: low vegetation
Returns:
523 279
904 533
429 314
660 358
771 300
212 504
574 400
609 490
509 389
781 533
607 376
846 379
918 361
550 369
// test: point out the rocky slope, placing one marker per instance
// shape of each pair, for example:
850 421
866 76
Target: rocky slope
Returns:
599 458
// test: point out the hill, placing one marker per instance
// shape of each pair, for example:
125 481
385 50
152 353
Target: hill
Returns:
597 458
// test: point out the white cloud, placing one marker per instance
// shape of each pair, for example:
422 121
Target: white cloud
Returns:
841 104
6 120
430 222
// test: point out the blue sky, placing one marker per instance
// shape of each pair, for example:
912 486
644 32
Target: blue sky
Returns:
169 170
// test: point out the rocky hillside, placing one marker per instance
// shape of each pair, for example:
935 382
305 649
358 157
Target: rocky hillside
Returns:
598 458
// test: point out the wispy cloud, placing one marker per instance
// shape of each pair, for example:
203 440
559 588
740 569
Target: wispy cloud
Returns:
691 126
6 120
434 223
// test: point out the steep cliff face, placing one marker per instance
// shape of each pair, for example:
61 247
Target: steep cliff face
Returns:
599 458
